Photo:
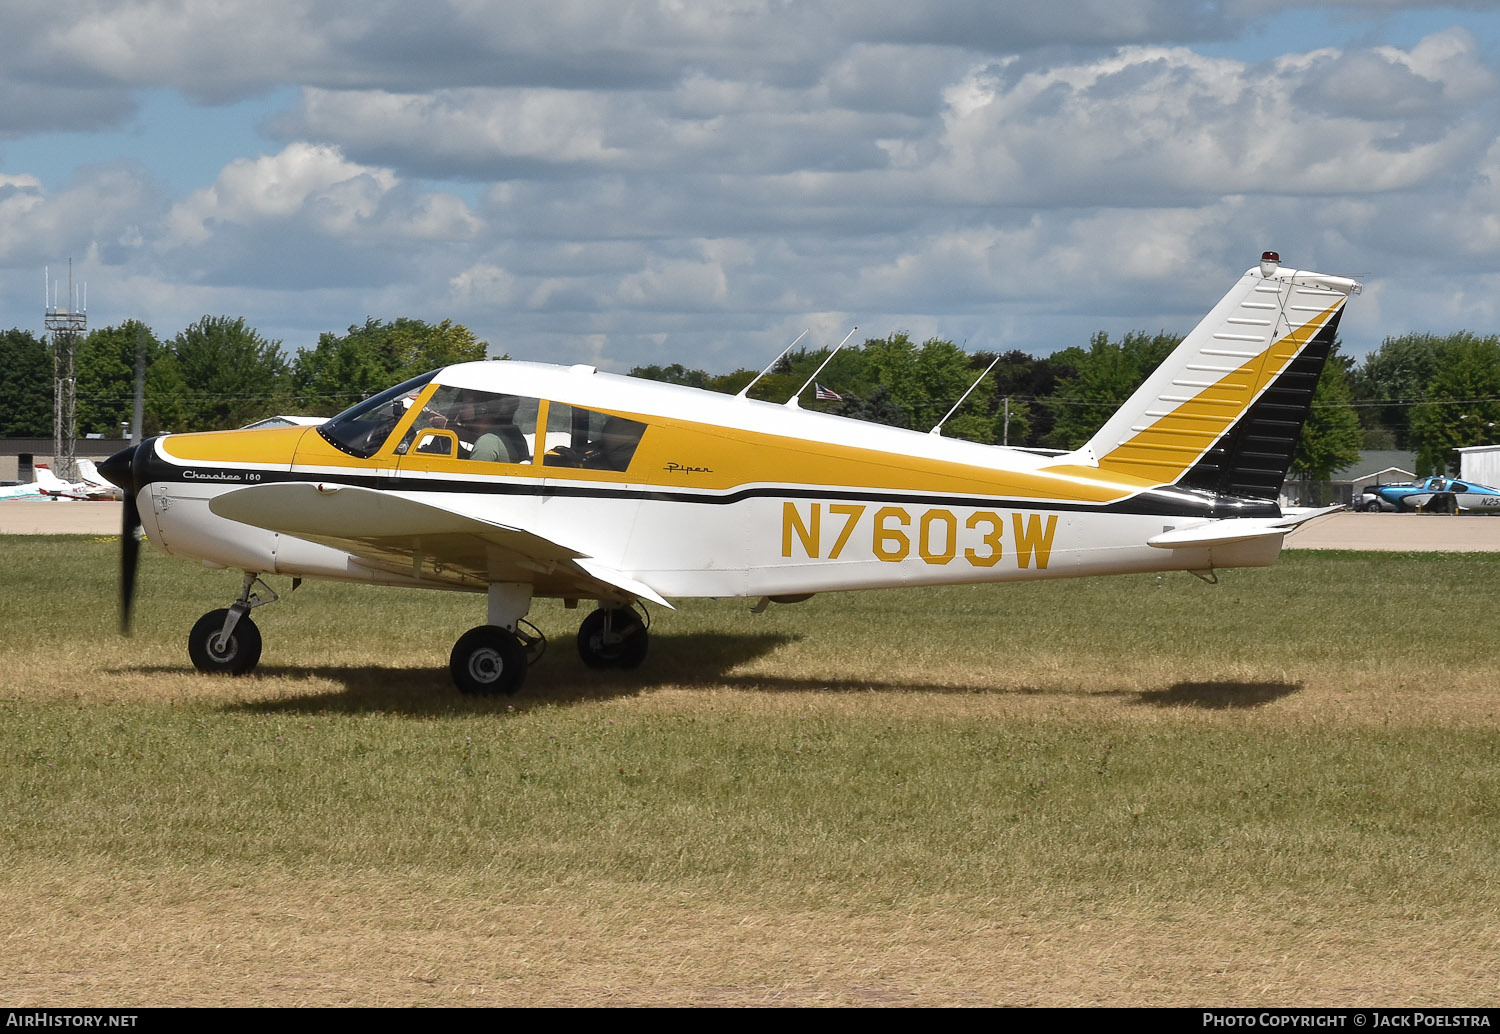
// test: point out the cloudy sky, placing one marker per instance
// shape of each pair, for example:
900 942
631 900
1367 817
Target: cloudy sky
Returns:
630 181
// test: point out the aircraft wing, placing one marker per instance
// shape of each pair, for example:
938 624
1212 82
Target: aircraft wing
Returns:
408 536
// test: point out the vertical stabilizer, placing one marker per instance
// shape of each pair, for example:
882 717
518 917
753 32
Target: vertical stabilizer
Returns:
1224 411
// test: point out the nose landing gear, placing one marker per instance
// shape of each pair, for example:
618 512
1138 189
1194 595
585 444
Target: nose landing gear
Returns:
226 641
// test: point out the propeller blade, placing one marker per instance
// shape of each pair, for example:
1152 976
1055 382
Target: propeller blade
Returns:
119 469
130 552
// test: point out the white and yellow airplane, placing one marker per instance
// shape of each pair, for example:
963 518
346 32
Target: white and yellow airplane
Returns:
521 480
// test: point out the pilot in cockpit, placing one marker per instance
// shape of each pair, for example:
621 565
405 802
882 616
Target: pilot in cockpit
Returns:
485 425
499 439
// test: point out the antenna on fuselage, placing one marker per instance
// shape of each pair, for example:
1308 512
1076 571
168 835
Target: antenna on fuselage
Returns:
792 402
938 428
744 392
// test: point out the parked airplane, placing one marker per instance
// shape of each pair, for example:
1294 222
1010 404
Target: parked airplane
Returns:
46 484
91 485
521 480
1437 494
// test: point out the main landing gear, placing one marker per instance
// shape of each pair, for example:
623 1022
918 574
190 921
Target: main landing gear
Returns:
613 637
490 660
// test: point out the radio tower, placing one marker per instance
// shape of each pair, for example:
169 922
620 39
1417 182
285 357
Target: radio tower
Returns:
66 323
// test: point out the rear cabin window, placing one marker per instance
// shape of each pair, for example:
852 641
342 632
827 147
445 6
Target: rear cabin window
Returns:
588 439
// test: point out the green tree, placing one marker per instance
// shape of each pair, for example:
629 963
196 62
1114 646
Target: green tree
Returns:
1102 378
1331 437
230 375
25 385
1397 375
106 381
876 408
342 369
1018 381
676 373
1461 404
927 380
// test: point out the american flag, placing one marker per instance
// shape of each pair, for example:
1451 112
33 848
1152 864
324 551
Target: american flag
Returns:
823 394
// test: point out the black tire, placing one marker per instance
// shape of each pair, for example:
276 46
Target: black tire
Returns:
238 656
627 651
488 661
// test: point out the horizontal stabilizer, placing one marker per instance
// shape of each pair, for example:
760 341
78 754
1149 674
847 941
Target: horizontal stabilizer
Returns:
1237 529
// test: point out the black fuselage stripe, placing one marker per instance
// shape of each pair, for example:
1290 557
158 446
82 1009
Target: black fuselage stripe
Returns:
1165 502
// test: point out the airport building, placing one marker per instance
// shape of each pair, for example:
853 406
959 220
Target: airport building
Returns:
19 456
1480 464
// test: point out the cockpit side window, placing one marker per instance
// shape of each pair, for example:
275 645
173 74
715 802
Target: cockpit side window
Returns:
363 428
490 427
590 440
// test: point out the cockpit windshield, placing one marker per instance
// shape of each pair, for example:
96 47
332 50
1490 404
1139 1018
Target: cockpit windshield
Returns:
363 428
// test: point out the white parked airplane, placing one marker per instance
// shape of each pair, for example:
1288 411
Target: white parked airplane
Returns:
46 484
520 480
91 485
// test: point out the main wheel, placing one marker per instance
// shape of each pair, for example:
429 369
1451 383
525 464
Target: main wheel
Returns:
211 652
613 639
488 661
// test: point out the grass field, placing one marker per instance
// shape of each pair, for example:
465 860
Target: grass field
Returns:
1282 789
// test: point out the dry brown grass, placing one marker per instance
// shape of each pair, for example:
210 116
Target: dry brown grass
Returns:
217 937
1298 809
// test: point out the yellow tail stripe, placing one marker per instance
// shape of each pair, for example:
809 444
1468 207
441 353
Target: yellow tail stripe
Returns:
1165 450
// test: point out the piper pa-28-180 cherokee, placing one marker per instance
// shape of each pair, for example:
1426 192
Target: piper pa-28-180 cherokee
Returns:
523 480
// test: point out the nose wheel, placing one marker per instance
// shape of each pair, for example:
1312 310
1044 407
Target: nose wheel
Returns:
613 637
216 652
226 641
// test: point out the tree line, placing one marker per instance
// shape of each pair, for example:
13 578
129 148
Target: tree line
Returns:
1421 393
218 373
1424 393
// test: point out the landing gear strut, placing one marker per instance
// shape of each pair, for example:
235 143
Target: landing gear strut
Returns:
491 660
613 637
226 641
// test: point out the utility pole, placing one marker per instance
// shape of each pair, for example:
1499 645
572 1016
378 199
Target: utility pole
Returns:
140 384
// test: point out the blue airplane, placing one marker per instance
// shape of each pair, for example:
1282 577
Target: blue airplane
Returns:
1436 494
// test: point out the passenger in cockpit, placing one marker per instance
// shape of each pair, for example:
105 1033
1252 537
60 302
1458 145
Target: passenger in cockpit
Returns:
501 440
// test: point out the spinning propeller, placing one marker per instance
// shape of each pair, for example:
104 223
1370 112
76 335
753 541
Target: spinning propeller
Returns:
120 470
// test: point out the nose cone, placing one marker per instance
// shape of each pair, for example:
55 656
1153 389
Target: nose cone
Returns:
118 469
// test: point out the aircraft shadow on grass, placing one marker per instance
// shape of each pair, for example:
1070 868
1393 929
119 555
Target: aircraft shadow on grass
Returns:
1218 696
695 661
